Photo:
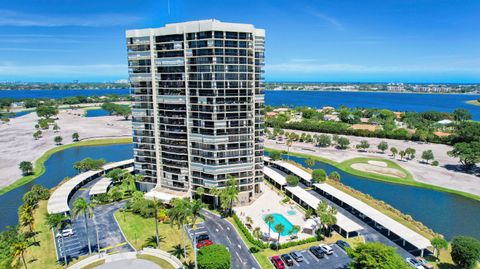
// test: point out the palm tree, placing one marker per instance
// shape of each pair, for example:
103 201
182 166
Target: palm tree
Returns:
257 232
310 162
156 205
279 228
75 137
200 191
269 219
214 192
248 220
229 195
81 206
57 222
394 151
289 144
179 214
295 229
196 206
19 249
26 217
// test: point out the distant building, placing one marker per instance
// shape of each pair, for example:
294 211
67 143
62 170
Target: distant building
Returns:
281 109
366 127
330 117
445 122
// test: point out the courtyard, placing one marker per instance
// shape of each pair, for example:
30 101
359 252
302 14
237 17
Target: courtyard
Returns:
271 202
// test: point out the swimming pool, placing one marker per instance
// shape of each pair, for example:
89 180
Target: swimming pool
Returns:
280 219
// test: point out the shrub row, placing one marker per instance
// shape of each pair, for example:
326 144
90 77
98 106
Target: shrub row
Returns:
295 243
248 235
344 129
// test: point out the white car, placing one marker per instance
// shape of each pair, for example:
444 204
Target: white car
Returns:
65 233
414 263
327 249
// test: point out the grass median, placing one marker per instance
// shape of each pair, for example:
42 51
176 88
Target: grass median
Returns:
139 230
39 166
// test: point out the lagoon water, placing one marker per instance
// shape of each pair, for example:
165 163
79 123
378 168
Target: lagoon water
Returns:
394 101
55 94
445 213
96 113
58 166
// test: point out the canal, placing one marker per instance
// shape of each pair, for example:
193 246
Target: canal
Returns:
445 213
58 166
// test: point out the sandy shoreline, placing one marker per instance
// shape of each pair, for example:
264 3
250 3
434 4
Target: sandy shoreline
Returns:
17 143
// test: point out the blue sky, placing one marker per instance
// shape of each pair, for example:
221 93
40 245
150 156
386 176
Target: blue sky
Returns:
334 40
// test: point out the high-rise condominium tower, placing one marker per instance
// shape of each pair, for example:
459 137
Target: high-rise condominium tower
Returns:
198 105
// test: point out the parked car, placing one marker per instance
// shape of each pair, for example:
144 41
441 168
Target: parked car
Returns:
414 264
297 256
65 233
277 262
342 244
317 252
202 237
327 249
424 263
204 243
287 259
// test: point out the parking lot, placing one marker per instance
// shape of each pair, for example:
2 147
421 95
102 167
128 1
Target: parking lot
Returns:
74 247
338 260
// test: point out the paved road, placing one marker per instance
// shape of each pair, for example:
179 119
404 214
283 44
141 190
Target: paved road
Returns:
110 237
221 231
128 264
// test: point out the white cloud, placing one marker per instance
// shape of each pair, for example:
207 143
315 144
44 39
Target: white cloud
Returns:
327 19
14 18
315 67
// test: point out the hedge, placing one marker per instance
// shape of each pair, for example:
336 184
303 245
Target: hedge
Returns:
214 257
248 235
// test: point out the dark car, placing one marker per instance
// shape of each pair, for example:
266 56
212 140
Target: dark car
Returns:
287 259
342 244
317 252
297 256
202 237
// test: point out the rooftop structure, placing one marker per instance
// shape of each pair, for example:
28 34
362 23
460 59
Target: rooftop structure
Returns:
58 201
406 234
101 186
289 168
304 198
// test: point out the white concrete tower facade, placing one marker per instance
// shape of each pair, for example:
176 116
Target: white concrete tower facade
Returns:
198 105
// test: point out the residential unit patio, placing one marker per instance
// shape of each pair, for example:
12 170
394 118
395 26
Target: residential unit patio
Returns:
270 202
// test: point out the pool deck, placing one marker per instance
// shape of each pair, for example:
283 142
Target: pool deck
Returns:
269 203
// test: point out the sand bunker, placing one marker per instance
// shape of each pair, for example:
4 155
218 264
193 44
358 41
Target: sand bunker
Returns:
368 167
378 163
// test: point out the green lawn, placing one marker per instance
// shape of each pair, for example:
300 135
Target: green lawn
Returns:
347 167
161 262
139 230
42 254
39 167
373 176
